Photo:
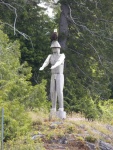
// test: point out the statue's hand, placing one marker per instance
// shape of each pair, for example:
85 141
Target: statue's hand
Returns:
52 67
41 68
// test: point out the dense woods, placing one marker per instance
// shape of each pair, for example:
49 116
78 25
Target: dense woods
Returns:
86 36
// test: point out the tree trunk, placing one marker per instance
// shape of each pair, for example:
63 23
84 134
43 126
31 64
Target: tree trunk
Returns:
63 26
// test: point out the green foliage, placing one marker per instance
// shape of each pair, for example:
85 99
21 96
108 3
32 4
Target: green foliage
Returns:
24 143
38 97
90 139
77 96
88 107
15 78
70 129
16 120
106 109
16 91
88 71
34 28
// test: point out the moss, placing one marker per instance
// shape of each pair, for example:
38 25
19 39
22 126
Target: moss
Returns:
90 139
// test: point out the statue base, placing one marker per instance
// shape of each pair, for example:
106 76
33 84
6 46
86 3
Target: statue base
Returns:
61 114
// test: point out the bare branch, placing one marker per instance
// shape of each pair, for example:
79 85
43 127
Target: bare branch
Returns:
96 53
107 62
83 26
21 33
15 11
75 51
14 24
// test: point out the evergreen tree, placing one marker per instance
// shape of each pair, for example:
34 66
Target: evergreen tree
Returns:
28 23
16 92
86 37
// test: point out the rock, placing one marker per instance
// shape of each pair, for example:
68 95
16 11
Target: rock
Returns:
34 137
63 140
109 127
91 146
54 125
82 126
105 146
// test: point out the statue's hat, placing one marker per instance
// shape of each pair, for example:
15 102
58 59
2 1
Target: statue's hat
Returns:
55 44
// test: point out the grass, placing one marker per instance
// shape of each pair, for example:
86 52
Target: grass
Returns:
24 143
95 129
83 127
82 130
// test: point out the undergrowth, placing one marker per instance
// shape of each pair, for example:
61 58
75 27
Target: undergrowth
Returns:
82 130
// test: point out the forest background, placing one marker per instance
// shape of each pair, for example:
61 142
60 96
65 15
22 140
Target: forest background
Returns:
86 36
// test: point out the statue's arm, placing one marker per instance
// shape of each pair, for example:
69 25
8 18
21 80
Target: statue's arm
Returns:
46 63
59 62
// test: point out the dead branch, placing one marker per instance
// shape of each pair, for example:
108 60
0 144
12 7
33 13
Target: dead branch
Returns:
12 9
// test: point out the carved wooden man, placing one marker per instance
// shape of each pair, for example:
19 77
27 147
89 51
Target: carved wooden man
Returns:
57 77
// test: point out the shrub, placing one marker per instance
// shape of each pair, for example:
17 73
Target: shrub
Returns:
107 110
16 120
90 139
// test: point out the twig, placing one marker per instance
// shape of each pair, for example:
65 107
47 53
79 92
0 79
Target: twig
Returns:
21 33
15 11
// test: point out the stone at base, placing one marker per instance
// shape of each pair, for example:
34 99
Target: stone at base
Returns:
61 114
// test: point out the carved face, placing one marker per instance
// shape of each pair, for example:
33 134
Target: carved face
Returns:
56 50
